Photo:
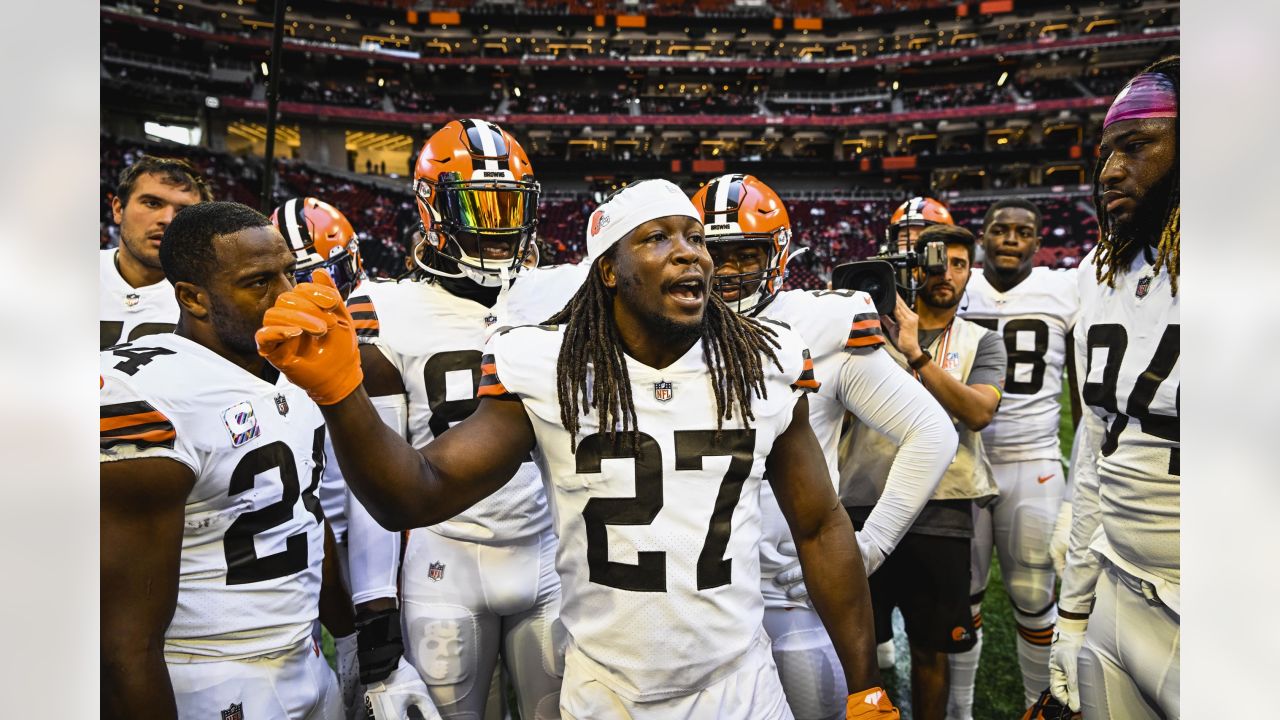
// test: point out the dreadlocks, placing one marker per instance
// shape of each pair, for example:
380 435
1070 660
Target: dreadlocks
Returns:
1115 252
732 347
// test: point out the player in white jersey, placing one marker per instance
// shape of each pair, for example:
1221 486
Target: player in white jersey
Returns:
212 537
658 515
371 659
1120 611
480 585
1033 310
748 234
134 298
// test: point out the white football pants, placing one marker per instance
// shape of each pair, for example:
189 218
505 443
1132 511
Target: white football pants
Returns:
464 602
296 684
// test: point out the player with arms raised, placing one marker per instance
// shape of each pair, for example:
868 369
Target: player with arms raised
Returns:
654 412
748 234
1119 616
1033 311
482 583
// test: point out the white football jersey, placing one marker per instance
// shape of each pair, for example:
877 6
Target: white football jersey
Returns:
1128 347
829 321
659 536
1035 319
253 542
435 339
538 293
127 313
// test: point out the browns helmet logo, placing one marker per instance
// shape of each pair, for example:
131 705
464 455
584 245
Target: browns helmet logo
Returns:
598 222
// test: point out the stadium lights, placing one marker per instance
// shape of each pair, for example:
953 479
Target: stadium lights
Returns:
1003 76
265 71
895 84
517 92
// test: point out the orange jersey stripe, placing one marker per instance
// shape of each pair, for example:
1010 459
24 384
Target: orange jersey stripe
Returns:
808 364
146 418
807 383
493 390
152 436
865 341
365 324
361 307
490 369
873 323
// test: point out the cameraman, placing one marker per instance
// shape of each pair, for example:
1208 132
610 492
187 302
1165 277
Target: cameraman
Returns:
927 576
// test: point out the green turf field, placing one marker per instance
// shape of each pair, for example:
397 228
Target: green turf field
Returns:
998 695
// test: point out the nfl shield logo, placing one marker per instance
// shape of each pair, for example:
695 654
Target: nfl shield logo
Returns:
435 571
1144 286
282 405
233 713
662 390
132 299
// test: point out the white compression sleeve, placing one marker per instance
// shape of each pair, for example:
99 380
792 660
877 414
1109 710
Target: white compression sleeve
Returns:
887 399
374 552
1082 568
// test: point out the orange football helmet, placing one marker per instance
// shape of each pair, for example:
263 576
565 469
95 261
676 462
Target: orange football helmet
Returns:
321 237
739 208
478 200
917 212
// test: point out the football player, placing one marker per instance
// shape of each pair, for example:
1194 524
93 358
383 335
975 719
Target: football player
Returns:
1033 311
134 298
654 411
481 585
210 460
368 556
1119 615
909 220
748 234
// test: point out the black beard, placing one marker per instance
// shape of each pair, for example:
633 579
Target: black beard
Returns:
674 333
1148 221
928 298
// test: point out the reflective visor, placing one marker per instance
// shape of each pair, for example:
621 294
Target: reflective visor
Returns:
342 268
501 207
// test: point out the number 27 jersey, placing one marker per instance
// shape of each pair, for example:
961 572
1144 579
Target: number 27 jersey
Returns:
659 532
252 543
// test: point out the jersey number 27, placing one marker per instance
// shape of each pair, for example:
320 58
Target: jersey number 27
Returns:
649 573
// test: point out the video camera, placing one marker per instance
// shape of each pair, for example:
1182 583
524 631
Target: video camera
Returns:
889 273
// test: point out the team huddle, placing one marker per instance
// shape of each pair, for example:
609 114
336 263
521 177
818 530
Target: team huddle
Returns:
653 484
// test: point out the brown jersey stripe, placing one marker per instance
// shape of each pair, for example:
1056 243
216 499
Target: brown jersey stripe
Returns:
494 389
129 408
149 439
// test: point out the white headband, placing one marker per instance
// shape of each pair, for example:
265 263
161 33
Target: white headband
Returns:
632 207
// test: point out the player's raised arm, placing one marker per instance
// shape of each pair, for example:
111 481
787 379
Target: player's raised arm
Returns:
828 552
309 336
143 504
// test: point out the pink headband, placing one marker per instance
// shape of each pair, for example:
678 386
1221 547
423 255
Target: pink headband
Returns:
1149 95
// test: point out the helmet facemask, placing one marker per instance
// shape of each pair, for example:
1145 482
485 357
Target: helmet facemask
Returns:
750 289
486 227
342 265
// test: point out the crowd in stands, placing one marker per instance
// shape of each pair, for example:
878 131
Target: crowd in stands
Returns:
833 230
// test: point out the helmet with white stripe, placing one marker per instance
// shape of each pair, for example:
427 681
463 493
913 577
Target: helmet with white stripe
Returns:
478 201
740 215
919 212
320 236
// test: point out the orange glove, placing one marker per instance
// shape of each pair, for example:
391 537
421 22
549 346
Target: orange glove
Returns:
308 335
873 703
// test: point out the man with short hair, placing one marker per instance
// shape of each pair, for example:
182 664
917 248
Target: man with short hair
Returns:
927 576
1120 611
212 536
1033 311
655 411
134 298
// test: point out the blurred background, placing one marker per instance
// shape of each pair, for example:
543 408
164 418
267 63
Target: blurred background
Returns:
846 107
